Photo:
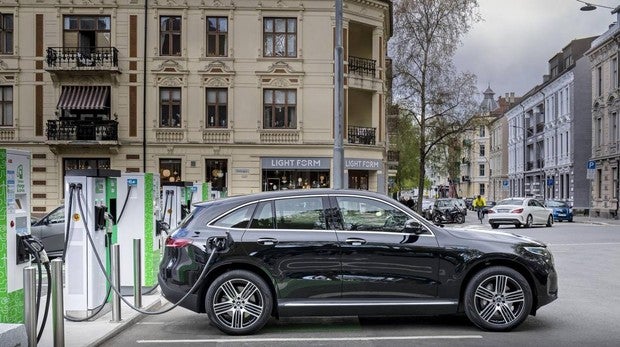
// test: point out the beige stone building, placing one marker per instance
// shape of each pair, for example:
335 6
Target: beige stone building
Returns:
236 93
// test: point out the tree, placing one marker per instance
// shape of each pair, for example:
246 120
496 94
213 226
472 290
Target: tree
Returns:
426 85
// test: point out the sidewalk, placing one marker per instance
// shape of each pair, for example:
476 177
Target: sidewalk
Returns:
595 220
95 332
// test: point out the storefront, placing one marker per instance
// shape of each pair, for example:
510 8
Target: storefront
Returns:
280 173
363 174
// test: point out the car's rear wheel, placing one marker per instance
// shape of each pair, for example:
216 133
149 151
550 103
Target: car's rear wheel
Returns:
498 299
528 221
549 221
239 302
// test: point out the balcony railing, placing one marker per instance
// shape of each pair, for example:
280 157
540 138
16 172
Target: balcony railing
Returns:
362 66
361 135
82 130
82 58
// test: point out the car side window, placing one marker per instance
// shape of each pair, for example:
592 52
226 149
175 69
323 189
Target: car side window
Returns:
263 217
370 215
57 216
300 213
239 218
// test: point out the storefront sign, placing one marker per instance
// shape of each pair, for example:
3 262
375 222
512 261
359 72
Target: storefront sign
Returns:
295 163
363 164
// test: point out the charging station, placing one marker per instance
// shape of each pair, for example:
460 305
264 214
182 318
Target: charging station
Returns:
15 222
176 201
201 191
96 191
138 210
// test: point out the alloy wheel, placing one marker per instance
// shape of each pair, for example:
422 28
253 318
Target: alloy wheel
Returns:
499 299
238 303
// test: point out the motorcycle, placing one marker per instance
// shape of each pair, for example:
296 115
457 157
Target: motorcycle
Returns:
453 215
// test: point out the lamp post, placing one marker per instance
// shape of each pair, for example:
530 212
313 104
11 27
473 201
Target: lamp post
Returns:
338 101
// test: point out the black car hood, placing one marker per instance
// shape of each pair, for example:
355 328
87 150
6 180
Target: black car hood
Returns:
492 236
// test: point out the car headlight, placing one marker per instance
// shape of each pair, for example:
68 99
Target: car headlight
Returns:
541 252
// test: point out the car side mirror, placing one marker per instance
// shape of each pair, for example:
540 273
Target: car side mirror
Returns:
413 227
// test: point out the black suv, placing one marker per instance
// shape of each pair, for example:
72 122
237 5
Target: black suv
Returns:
340 252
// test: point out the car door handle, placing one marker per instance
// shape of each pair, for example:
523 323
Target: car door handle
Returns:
355 241
267 241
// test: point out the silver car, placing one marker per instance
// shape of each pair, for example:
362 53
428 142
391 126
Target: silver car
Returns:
50 230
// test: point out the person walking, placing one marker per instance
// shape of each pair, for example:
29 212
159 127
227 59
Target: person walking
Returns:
479 204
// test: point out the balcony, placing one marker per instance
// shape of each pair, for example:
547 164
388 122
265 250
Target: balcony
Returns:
362 66
80 134
361 135
93 59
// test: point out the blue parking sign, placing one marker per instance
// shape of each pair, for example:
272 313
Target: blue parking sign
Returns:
591 165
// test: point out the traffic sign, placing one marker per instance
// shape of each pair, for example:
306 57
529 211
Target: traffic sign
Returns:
591 165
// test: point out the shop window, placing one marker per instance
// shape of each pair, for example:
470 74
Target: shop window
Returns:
169 170
170 35
84 164
294 179
216 170
358 179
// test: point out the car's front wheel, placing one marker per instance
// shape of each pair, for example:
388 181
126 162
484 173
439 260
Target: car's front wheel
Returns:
498 299
494 225
239 302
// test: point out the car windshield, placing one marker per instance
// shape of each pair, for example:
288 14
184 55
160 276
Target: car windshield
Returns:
511 202
555 203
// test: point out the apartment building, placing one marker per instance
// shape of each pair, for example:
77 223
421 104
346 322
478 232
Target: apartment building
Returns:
549 132
499 187
235 93
605 107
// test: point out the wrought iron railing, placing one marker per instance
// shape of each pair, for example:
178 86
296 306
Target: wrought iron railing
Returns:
361 135
82 57
82 130
362 66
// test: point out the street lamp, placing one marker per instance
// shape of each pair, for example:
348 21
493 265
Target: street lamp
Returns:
591 7
338 101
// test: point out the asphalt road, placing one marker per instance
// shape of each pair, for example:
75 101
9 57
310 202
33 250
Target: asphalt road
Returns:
587 312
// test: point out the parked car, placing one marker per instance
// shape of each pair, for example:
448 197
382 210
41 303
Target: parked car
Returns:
50 230
520 212
344 252
460 203
561 210
469 203
444 211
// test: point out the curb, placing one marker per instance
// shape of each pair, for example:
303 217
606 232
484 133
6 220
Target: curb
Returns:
126 324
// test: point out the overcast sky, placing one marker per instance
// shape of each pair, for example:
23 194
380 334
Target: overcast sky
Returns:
510 48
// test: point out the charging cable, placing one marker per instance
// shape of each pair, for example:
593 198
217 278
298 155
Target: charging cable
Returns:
129 187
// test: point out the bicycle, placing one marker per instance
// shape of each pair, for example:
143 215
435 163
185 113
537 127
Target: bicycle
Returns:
480 211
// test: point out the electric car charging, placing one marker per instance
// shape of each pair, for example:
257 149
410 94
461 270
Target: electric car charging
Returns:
176 202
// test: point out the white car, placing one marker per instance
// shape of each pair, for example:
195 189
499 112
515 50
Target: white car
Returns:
520 212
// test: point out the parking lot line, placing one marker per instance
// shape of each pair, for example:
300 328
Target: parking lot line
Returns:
318 339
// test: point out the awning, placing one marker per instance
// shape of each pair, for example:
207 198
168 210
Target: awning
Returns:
83 98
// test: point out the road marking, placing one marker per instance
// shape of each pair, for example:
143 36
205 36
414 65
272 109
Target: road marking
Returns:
318 339
153 323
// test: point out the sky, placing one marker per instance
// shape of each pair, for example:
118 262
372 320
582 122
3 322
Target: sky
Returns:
511 47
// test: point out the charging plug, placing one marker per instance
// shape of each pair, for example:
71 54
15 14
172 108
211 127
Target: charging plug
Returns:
219 243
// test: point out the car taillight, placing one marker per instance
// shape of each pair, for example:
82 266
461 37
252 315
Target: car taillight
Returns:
177 243
517 210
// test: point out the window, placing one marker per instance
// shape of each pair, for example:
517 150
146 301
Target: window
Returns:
239 218
86 33
599 79
482 189
614 72
216 173
217 36
169 170
359 214
598 128
280 108
6 33
280 37
614 173
613 127
482 150
482 131
263 217
599 183
170 107
85 163
481 171
300 213
6 106
170 35
217 108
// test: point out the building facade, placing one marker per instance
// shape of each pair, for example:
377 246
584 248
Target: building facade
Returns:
605 154
498 151
235 93
549 132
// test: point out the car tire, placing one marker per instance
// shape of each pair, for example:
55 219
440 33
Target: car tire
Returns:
460 219
549 221
528 221
570 220
239 302
494 225
498 299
